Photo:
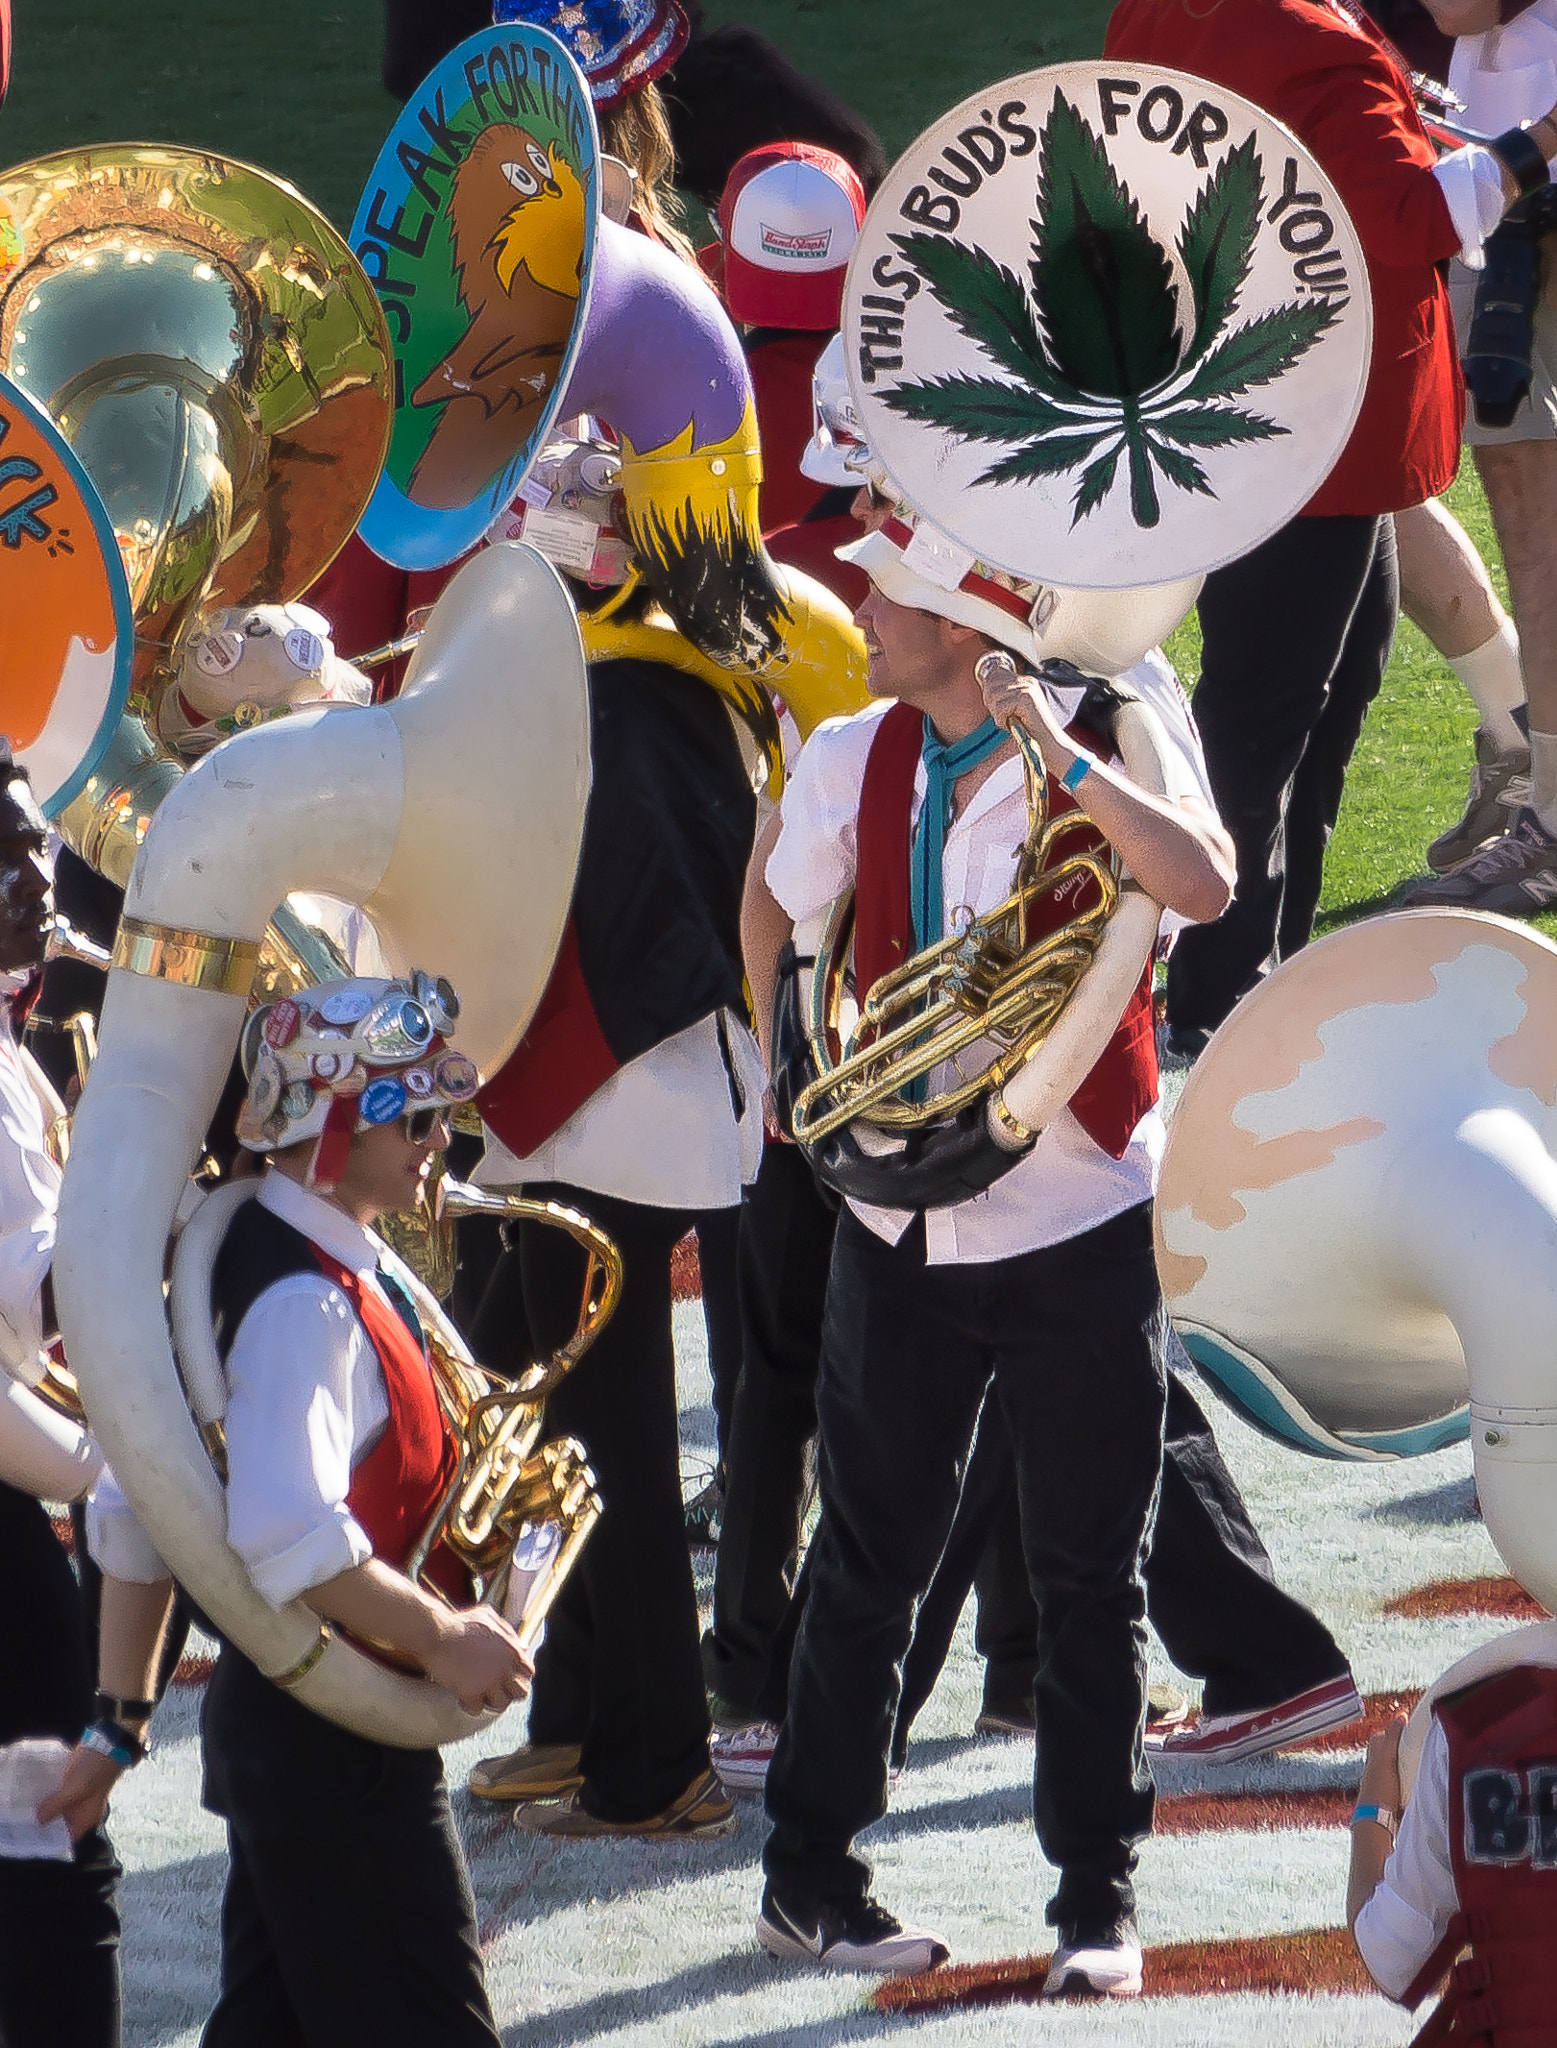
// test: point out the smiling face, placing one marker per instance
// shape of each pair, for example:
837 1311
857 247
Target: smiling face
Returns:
912 654
26 879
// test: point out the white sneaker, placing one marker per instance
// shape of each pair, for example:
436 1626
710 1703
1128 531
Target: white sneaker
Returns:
741 1755
855 1935
1096 1959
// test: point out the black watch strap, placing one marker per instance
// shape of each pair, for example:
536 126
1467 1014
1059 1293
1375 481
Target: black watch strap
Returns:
1523 158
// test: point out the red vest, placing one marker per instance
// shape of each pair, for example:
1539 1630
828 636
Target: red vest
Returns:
1123 1085
397 1487
1503 1847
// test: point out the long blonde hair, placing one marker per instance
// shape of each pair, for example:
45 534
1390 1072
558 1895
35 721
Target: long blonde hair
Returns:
638 131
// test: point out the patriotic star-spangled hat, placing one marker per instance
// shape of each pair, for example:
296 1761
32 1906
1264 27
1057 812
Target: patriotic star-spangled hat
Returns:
619 45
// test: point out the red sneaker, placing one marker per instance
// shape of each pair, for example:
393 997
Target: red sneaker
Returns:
1228 1738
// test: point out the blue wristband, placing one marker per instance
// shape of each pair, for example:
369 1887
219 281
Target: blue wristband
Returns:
1077 773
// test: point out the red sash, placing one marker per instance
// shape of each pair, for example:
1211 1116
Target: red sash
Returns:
1503 1847
397 1487
561 1060
1122 1086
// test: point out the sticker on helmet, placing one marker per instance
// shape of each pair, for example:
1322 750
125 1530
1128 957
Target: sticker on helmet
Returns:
346 1006
457 1077
282 1021
382 1101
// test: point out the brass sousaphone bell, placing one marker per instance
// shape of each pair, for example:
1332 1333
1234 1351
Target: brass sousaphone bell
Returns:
218 361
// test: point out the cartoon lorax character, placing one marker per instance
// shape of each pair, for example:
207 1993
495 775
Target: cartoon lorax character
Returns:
516 213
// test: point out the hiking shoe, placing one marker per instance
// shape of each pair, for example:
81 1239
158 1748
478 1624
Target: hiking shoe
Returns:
1182 1044
852 1934
741 1755
703 1813
1516 875
1228 1738
1499 786
1096 1959
1006 1718
540 1770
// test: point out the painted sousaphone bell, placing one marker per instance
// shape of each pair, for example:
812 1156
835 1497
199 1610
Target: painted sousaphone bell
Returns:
1049 325
526 306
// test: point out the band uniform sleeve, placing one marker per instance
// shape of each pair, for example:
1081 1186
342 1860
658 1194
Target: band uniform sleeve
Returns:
119 1546
1472 186
1404 1921
813 858
292 1427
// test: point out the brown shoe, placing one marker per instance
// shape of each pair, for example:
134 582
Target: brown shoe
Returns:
540 1770
704 1812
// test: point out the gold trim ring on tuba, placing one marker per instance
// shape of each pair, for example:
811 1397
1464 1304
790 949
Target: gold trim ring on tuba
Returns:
1040 319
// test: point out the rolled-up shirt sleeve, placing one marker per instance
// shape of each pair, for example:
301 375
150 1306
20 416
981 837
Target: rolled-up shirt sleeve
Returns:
1409 1913
1471 181
296 1373
119 1546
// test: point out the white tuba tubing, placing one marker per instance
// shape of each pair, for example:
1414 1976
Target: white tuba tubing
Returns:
189 1299
1040 1090
1474 1208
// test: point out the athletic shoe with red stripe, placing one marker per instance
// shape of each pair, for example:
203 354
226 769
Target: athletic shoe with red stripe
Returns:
1229 1738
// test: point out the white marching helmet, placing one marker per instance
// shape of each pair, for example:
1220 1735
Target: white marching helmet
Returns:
1103 632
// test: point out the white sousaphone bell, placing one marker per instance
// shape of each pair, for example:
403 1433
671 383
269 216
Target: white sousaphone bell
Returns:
453 816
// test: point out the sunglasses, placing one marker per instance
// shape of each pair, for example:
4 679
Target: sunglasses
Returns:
421 1123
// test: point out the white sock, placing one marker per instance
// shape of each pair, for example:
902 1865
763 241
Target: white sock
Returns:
1543 779
1495 681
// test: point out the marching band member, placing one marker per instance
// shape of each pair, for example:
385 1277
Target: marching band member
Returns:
635 1094
59 1924
1047 1280
338 1453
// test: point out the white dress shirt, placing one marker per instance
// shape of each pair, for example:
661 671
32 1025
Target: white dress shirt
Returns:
306 1402
663 1130
1067 1184
29 1198
1404 1921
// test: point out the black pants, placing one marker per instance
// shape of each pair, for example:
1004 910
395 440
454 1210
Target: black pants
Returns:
1073 1337
1211 1593
786 1244
59 1924
618 1670
348 1920
718 1242
1296 638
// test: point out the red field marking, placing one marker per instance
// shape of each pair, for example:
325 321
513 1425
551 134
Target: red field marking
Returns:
1378 1707
1466 1596
1317 1959
1196 1813
686 1278
64 1529
193 1670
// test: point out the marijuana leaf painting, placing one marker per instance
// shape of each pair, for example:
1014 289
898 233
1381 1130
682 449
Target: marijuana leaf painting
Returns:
1091 363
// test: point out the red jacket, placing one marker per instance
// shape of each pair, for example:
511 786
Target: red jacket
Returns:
1335 86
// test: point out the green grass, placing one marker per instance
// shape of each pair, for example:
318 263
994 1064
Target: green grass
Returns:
296 89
